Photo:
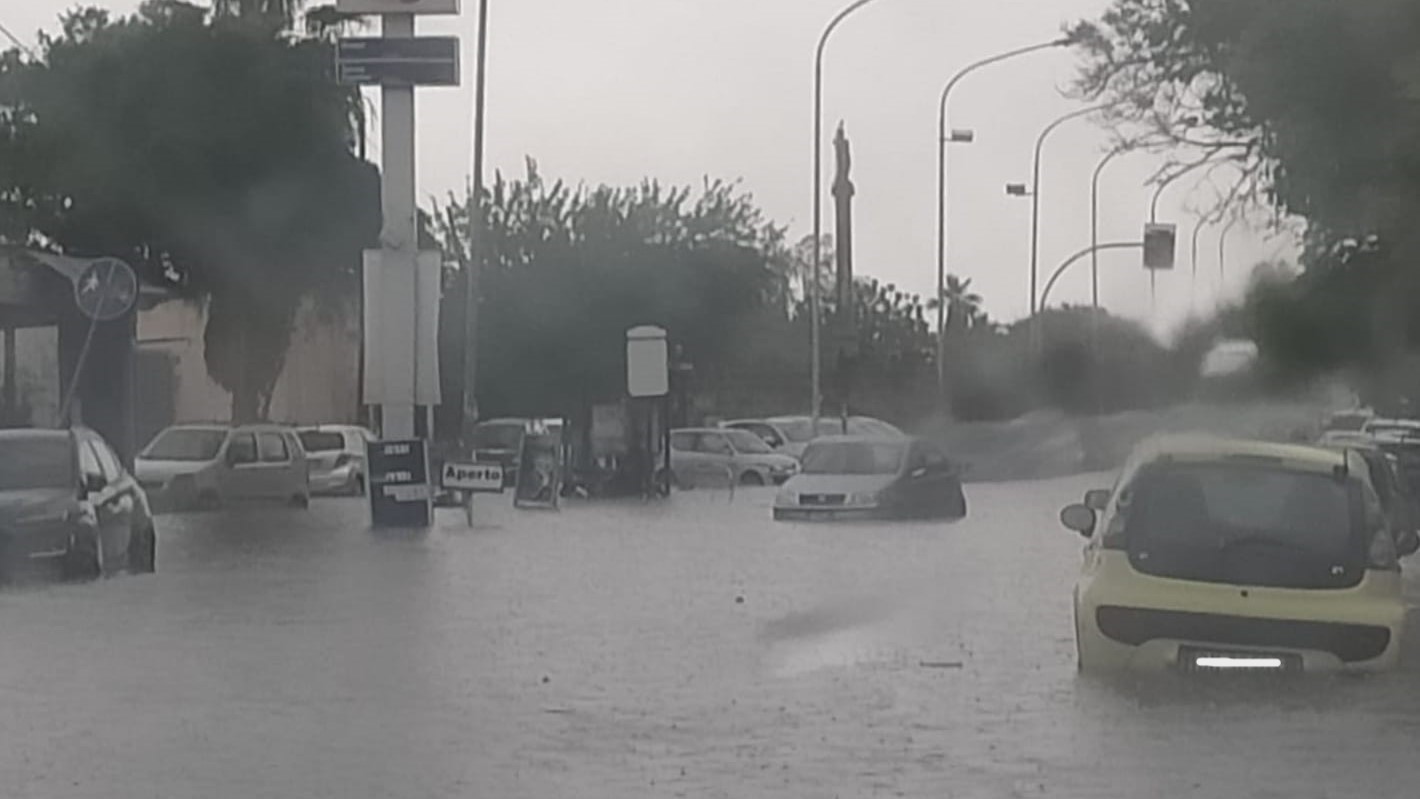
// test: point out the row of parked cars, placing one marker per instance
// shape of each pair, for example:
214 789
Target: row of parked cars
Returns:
853 468
66 496
1224 554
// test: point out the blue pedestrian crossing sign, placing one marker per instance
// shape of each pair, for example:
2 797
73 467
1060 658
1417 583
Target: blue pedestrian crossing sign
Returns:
106 289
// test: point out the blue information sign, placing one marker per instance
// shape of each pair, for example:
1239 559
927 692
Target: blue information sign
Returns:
399 484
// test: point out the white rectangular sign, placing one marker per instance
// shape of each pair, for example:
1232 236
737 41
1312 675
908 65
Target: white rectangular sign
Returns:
482 477
397 6
401 328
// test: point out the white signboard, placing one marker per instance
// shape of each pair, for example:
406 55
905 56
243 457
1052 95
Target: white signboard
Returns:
646 374
397 6
401 329
482 477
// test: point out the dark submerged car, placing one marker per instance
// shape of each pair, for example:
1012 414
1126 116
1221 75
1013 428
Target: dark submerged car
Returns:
64 494
872 477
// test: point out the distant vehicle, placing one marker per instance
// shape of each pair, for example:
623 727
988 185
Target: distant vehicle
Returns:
711 455
1353 420
64 494
336 457
1223 554
1376 426
791 434
207 466
1398 498
501 440
872 477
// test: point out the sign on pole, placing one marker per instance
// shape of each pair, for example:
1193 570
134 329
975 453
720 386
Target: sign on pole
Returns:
647 374
395 61
397 6
1159 245
106 289
482 478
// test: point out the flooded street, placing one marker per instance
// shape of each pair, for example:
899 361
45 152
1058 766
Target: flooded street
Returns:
618 650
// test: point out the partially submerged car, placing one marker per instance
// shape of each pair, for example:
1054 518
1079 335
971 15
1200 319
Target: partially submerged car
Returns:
207 466
336 456
847 477
1223 554
65 495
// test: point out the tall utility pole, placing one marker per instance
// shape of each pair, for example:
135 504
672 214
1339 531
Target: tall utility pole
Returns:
476 244
946 136
399 238
815 334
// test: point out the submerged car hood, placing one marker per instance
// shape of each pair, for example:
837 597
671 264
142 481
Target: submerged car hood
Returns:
147 470
18 505
838 483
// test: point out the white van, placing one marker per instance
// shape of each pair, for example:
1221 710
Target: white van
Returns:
208 466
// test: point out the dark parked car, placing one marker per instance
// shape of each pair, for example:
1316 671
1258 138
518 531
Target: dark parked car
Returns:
64 494
872 477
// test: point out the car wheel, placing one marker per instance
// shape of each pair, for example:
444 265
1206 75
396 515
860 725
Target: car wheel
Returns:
85 558
143 551
751 478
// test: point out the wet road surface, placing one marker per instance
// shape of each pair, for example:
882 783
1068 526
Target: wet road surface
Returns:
623 650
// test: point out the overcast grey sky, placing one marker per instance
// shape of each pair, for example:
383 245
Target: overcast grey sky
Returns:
616 90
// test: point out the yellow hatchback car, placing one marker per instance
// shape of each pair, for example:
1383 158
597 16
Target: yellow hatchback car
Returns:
1224 554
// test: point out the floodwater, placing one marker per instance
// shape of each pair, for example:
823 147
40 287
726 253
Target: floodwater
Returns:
691 648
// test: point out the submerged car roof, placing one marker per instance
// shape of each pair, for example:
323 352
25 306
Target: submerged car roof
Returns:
1210 448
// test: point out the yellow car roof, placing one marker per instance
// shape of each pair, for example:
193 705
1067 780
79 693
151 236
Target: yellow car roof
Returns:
1215 448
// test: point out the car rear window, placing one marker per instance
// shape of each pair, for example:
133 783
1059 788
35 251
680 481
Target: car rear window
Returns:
28 462
1244 523
185 444
321 441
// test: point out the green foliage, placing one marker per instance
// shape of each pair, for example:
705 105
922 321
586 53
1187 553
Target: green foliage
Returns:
1317 103
569 270
211 152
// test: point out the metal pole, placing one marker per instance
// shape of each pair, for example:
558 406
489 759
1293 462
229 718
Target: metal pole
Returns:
1222 252
816 394
1035 210
1060 270
1193 277
399 243
476 245
942 141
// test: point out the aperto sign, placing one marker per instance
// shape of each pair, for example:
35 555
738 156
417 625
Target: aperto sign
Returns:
397 6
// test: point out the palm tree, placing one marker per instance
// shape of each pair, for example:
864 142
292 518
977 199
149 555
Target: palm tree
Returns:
282 12
963 304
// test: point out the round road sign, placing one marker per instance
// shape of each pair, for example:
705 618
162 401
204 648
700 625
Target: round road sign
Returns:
106 289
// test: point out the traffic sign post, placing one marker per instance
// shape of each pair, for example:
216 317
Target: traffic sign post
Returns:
417 61
106 289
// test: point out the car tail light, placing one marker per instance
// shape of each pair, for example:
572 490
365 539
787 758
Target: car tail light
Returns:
343 460
1382 554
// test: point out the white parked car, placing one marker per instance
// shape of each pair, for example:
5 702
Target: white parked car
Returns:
336 456
712 456
791 434
210 465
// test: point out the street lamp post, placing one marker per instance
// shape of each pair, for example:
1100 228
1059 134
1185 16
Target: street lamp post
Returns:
816 395
1035 197
947 136
476 244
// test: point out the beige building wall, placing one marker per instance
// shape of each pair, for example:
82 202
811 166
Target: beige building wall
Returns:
320 381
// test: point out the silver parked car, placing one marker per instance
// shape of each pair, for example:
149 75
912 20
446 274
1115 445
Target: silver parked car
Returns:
717 455
335 454
791 434
210 465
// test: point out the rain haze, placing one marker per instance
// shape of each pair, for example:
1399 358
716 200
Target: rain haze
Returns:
677 90
588 492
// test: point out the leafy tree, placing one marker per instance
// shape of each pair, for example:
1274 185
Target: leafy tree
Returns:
570 269
211 153
1315 102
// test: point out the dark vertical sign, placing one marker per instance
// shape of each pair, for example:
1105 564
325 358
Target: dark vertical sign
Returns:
399 484
539 471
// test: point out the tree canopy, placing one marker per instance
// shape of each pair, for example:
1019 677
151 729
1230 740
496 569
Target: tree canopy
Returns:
1316 105
211 151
